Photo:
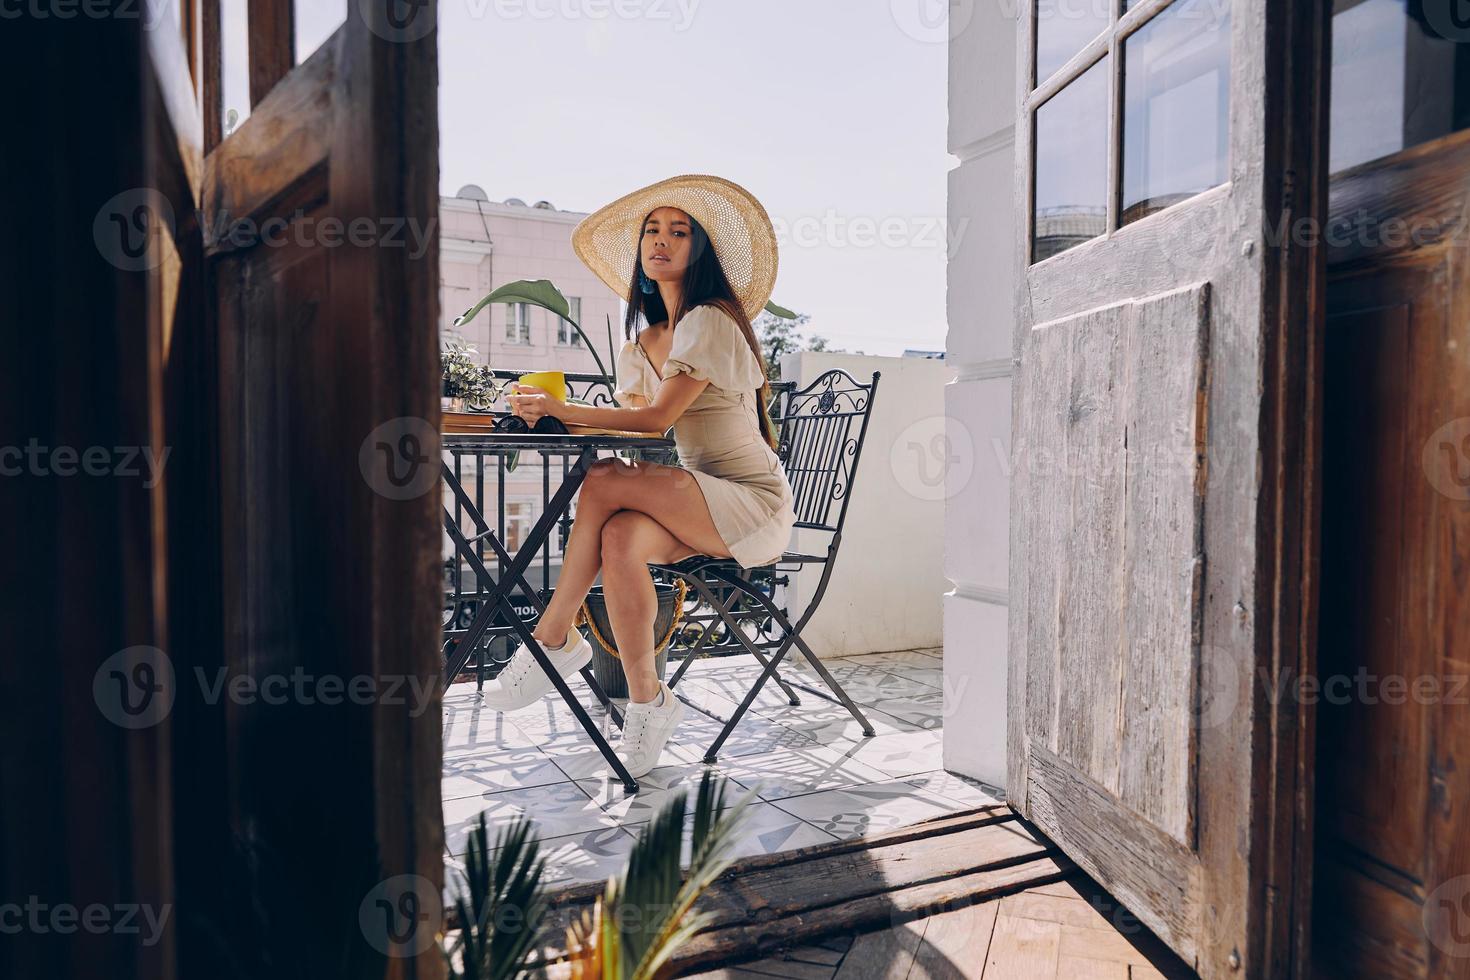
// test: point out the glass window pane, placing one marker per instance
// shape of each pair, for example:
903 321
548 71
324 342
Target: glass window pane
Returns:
1397 80
1176 107
1063 27
1072 165
234 28
314 22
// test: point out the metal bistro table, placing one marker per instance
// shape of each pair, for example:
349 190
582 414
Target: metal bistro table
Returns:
496 593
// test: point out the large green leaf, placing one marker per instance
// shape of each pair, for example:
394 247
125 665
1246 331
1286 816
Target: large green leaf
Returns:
781 312
537 292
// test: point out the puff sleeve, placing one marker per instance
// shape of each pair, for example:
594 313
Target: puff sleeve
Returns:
635 374
709 346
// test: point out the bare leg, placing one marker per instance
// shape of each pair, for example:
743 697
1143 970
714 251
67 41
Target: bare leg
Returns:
630 540
667 494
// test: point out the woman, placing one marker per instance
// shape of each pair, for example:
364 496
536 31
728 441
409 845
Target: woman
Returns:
695 257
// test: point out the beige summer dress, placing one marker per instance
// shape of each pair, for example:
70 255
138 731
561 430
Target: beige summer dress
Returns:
718 437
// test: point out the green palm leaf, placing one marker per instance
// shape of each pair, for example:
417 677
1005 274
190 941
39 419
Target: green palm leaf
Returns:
651 905
501 904
775 310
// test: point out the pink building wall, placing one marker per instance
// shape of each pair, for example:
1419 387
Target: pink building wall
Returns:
484 245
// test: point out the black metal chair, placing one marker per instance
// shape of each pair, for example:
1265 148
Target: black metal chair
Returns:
819 451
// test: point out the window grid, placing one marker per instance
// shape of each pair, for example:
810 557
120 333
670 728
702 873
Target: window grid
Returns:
566 335
518 323
1125 18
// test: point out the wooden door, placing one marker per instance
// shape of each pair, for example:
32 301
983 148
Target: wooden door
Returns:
320 233
220 390
1393 845
1163 427
93 293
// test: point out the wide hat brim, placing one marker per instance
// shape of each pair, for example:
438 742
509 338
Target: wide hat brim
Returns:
738 227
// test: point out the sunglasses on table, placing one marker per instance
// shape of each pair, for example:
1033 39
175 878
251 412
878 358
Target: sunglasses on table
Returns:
545 425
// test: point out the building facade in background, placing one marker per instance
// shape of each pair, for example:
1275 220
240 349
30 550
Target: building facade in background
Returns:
484 245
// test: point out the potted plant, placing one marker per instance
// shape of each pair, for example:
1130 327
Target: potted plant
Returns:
643 916
465 382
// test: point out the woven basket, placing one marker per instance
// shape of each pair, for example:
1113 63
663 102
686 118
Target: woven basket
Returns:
605 664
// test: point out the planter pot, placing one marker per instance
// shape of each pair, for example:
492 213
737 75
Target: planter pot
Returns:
448 404
605 666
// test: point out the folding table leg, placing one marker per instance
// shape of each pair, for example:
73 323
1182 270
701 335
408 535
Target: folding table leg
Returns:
497 596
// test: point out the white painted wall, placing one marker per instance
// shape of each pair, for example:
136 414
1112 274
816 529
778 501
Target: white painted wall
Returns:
888 582
982 269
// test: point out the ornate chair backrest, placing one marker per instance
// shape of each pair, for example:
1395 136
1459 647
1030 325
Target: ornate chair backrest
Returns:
822 428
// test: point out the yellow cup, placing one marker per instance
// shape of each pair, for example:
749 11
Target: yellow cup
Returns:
552 382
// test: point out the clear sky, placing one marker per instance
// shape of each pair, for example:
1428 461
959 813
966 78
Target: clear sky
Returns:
832 112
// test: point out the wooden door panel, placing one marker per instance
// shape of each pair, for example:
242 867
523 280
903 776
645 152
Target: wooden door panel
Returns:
1121 397
327 323
1392 849
1367 449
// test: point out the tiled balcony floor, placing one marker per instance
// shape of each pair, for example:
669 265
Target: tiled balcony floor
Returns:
816 778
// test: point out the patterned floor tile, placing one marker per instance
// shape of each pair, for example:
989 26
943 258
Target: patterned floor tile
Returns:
960 792
654 790
858 810
831 724
898 753
593 856
818 777
794 772
767 830
925 711
866 683
918 659
557 809
471 728
488 770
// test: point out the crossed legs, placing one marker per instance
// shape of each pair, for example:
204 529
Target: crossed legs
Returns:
628 515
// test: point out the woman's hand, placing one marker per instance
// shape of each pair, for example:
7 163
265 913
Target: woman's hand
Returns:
531 403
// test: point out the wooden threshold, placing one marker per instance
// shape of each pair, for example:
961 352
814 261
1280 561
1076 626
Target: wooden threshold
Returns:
770 903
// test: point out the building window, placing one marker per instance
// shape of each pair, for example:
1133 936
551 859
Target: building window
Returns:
518 323
518 522
565 334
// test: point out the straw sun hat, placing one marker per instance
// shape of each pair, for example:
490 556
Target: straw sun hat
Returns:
738 226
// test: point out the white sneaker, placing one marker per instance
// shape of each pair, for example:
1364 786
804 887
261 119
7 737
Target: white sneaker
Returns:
646 729
523 682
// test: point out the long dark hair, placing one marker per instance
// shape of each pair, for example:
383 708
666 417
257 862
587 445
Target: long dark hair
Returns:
705 284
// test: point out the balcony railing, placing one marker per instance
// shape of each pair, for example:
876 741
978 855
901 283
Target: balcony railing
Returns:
491 485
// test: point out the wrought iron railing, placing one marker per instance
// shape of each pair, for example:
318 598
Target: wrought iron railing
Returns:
485 475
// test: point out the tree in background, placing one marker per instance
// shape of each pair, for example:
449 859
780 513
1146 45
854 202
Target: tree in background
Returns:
782 334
